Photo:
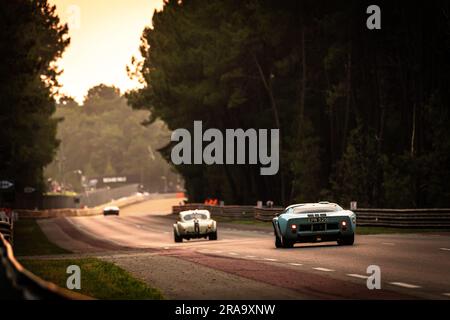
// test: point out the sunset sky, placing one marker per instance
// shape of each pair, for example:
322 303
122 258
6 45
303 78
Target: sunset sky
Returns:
105 34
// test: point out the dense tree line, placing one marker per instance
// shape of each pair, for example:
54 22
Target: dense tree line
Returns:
363 114
104 137
31 40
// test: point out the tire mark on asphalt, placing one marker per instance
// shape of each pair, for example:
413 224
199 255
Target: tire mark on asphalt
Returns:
80 235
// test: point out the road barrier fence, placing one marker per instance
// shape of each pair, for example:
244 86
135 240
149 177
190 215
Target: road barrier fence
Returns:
401 218
36 201
16 282
72 212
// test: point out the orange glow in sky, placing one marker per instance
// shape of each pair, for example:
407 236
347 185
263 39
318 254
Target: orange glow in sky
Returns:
104 34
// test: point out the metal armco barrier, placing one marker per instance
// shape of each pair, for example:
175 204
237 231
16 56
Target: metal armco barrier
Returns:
404 218
399 218
6 230
232 212
22 284
90 199
266 214
55 213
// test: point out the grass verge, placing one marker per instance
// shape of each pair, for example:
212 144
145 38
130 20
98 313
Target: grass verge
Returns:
99 279
30 240
387 230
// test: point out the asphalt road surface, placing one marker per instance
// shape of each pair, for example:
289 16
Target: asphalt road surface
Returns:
244 264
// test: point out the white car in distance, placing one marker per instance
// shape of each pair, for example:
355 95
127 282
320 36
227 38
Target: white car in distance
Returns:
111 210
194 224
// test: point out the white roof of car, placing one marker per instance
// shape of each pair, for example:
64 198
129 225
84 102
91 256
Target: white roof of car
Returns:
313 205
111 208
199 211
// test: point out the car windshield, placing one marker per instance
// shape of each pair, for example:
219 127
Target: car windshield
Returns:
199 216
316 209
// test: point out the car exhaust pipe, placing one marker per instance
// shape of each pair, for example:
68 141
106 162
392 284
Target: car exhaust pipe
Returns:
196 227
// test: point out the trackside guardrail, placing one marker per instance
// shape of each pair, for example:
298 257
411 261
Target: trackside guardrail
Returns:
399 218
404 218
232 212
22 284
6 229
56 213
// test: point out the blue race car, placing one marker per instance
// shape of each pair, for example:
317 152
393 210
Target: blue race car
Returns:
314 222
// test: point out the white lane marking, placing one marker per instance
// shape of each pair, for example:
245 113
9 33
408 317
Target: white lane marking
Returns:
295 264
270 259
405 285
166 248
323 269
446 294
233 253
166 232
250 257
138 226
445 249
354 275
388 243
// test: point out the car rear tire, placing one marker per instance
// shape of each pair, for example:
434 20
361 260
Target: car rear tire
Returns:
346 240
176 237
287 243
213 236
278 243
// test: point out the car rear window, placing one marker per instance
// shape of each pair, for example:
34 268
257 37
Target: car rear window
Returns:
199 216
308 209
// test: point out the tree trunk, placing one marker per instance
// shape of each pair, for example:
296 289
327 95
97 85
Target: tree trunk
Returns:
268 86
349 97
302 101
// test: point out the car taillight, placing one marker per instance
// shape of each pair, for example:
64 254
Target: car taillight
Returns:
294 228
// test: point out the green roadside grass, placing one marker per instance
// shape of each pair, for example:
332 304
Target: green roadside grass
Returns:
30 240
385 230
361 230
99 279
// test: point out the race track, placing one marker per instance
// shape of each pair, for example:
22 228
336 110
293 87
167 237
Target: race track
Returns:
244 264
